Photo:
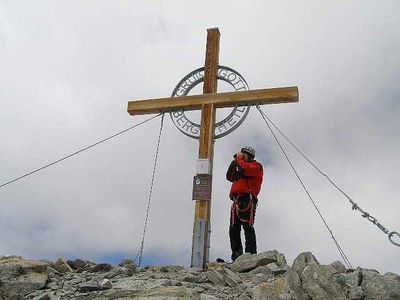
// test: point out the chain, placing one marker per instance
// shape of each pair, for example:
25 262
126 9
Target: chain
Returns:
342 254
374 221
364 214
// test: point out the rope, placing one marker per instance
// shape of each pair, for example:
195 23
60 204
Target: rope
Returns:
342 254
354 205
77 152
140 252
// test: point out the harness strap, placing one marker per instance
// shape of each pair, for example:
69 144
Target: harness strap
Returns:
236 210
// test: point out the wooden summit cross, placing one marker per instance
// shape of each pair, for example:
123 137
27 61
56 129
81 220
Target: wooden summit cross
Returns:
208 103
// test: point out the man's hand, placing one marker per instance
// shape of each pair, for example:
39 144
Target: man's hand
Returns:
239 155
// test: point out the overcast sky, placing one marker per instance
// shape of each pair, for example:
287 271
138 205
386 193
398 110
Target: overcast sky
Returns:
69 68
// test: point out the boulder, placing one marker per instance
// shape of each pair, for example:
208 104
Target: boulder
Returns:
119 272
77 264
61 266
223 276
337 267
207 297
170 292
287 287
44 296
247 262
270 269
120 294
16 297
101 268
20 276
105 284
128 264
378 286
356 293
316 279
215 277
89 286
350 283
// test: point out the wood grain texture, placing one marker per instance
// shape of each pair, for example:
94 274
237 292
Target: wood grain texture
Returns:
206 138
211 61
220 100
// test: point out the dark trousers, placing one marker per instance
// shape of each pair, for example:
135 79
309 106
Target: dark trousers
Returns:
236 227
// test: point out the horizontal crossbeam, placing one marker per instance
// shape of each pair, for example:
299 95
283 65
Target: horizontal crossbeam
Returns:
220 100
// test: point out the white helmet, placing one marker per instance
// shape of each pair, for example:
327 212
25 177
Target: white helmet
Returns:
249 150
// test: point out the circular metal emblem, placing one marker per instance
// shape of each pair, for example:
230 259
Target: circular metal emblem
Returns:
222 128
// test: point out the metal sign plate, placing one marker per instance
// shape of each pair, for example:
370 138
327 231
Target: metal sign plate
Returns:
222 128
202 187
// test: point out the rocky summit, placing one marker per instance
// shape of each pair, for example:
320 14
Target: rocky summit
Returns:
262 276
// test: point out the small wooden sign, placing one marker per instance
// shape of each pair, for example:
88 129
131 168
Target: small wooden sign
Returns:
202 187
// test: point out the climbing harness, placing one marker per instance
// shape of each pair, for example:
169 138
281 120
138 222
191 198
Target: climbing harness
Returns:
139 255
364 214
235 210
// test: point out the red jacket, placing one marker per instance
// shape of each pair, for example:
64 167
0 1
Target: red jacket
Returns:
246 177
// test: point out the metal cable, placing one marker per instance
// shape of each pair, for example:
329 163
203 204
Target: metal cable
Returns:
355 206
140 252
77 152
342 254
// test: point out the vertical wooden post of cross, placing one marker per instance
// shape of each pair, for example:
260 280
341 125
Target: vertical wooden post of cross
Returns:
201 227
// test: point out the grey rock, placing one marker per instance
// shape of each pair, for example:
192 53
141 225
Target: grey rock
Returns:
52 271
193 279
52 285
207 297
350 283
105 284
270 269
351 279
168 293
356 293
231 278
378 286
302 260
337 267
16 297
316 280
120 293
61 266
128 264
247 262
287 287
45 296
101 268
89 286
77 264
223 276
216 277
20 276
47 262
119 272
262 276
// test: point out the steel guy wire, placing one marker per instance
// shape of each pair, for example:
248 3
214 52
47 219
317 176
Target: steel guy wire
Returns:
140 252
342 254
77 152
355 206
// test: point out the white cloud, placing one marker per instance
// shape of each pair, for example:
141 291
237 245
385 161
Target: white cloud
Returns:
69 70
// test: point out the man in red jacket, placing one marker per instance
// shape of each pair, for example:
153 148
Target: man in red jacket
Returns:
246 176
